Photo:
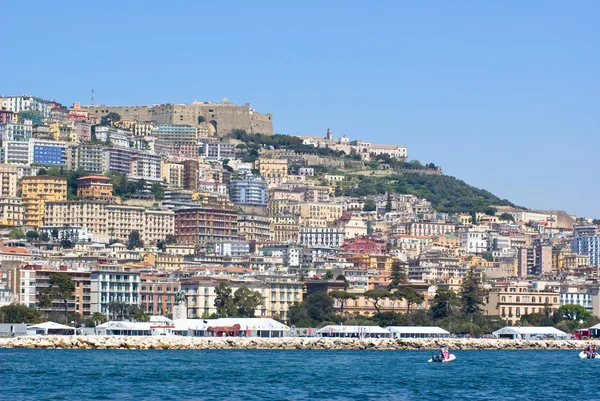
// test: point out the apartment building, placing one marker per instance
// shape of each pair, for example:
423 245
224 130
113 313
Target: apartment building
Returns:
172 173
510 301
86 213
315 237
113 283
87 157
36 191
202 225
96 187
157 225
275 171
310 213
9 178
12 212
254 227
157 295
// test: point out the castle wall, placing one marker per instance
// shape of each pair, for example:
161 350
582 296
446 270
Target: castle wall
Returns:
226 116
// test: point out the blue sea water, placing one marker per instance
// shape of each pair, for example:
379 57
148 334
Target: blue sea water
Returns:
27 374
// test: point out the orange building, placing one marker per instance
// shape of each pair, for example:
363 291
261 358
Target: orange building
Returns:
95 187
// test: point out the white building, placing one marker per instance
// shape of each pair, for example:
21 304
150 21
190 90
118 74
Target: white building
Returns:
17 104
319 237
474 240
417 332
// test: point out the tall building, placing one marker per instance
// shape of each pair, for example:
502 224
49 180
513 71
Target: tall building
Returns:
38 190
88 157
113 283
172 173
12 212
175 133
9 179
248 191
47 153
200 225
190 174
316 237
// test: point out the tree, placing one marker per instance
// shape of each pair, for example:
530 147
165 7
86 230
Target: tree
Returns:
66 243
470 294
17 313
507 217
110 119
575 313
411 296
117 310
247 301
319 306
224 301
490 211
443 305
169 239
98 318
32 235
54 234
158 191
398 274
329 274
376 296
61 288
16 233
370 206
134 240
341 297
134 312
44 237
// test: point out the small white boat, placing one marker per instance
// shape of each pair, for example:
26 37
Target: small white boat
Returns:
583 355
450 358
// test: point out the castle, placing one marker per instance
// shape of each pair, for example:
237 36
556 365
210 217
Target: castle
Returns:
220 118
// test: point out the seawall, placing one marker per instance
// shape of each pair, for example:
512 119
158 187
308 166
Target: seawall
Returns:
286 343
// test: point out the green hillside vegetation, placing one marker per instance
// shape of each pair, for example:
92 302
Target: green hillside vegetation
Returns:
446 194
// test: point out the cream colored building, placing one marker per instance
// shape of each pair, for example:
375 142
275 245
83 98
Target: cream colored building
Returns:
275 171
9 179
172 173
36 191
315 214
12 212
510 301
157 224
112 221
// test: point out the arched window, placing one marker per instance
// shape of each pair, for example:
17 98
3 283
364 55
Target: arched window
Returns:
547 299
518 299
503 299
554 300
532 299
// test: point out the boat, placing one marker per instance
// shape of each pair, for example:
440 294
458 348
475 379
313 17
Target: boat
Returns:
448 357
583 355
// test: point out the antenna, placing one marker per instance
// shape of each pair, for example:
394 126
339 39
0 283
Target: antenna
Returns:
92 97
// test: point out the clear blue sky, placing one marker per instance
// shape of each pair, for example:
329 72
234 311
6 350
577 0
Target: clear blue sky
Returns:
504 95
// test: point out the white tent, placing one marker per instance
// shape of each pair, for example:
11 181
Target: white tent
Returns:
353 331
417 332
50 328
530 333
252 326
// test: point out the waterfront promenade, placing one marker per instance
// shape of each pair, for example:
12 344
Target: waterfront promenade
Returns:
285 343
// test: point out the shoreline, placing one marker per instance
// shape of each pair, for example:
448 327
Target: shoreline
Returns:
284 343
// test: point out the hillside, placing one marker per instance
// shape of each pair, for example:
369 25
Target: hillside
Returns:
447 194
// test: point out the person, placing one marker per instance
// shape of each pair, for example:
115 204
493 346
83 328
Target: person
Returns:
587 351
445 353
593 351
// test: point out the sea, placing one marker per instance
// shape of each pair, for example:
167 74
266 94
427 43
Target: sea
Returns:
37 374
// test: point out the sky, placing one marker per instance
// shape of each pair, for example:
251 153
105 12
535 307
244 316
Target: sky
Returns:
503 95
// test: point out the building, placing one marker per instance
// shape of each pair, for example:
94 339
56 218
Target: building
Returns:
16 131
254 227
157 295
315 214
36 191
474 240
585 244
275 171
200 294
231 248
18 104
87 157
190 174
12 212
172 173
16 152
70 233
510 301
248 191
217 150
202 225
86 213
175 133
113 283
369 244
96 187
314 237
9 178
157 225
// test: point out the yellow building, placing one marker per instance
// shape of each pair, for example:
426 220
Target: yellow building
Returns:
369 262
510 301
63 131
157 224
285 228
574 261
275 171
172 173
36 191
95 187
9 179
12 212
168 261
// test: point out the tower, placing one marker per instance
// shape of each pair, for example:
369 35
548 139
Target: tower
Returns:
329 135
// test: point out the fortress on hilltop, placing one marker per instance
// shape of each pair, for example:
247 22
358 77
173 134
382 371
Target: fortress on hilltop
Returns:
220 117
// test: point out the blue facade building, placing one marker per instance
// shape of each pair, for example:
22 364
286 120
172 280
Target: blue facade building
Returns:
48 153
248 191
